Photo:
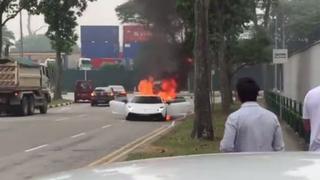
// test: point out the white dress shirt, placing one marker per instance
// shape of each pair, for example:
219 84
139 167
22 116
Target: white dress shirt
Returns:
252 129
311 111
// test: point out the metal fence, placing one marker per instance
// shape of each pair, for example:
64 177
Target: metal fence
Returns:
290 110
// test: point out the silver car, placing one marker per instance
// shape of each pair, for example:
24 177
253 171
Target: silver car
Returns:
270 166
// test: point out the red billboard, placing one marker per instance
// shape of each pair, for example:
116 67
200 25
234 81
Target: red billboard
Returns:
135 33
98 63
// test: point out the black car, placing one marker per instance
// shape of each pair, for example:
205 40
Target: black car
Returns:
102 95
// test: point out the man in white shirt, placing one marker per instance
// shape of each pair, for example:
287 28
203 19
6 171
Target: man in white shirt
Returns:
252 128
311 116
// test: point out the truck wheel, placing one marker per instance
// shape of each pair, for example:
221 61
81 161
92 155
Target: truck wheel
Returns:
31 105
23 108
44 108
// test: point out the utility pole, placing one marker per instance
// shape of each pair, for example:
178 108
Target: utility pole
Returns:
21 36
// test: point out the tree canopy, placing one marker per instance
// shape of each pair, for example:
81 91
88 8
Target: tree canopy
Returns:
61 16
301 20
9 9
7 36
38 43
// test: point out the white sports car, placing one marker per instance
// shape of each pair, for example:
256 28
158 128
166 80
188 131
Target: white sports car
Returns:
151 108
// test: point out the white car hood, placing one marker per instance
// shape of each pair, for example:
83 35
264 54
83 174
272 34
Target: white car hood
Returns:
144 108
261 166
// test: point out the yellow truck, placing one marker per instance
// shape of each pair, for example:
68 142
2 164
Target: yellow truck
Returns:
23 87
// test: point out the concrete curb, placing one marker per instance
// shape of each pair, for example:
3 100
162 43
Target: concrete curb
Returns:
60 105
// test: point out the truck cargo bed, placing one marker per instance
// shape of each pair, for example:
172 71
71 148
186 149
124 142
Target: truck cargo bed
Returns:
18 76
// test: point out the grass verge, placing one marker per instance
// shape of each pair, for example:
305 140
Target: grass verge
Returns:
59 101
178 141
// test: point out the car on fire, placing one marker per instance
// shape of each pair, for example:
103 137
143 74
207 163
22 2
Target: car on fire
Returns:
150 107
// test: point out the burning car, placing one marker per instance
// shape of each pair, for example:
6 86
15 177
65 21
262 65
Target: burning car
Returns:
150 107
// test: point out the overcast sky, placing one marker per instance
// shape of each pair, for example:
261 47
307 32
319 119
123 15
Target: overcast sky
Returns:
101 12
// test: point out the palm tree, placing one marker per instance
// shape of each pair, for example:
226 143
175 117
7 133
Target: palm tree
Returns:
7 36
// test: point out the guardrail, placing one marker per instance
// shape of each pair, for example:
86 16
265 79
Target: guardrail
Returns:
290 110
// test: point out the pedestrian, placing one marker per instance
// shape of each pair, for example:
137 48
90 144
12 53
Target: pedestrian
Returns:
252 128
311 116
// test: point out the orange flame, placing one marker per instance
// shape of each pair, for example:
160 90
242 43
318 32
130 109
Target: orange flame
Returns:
168 88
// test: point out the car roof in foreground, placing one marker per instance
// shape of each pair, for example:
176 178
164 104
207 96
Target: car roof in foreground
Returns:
263 166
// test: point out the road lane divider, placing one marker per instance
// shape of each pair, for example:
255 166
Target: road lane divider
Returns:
107 126
82 116
36 148
78 135
62 119
117 154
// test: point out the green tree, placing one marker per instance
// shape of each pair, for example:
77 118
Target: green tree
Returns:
35 43
227 20
203 119
299 21
7 36
38 43
167 46
61 16
9 9
249 52
7 39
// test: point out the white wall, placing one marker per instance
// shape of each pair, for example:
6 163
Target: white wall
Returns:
302 73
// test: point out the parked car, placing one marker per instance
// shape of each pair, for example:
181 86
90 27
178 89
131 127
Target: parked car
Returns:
102 95
83 90
149 108
120 93
261 166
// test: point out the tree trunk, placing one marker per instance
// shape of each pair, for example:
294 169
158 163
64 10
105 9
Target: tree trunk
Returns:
266 18
58 83
202 128
225 79
29 25
1 38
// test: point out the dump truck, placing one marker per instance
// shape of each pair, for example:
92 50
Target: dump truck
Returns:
23 87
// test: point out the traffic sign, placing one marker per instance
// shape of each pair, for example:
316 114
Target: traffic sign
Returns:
280 56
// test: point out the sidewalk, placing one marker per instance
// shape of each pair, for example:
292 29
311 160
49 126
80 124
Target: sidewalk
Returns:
292 141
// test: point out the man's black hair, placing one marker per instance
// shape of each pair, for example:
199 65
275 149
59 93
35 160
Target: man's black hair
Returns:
247 89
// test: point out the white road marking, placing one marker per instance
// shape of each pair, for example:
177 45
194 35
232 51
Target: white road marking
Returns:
78 135
82 116
107 126
173 123
61 119
36 148
64 109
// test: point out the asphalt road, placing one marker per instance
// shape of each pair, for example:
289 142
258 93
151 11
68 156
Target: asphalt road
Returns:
66 138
